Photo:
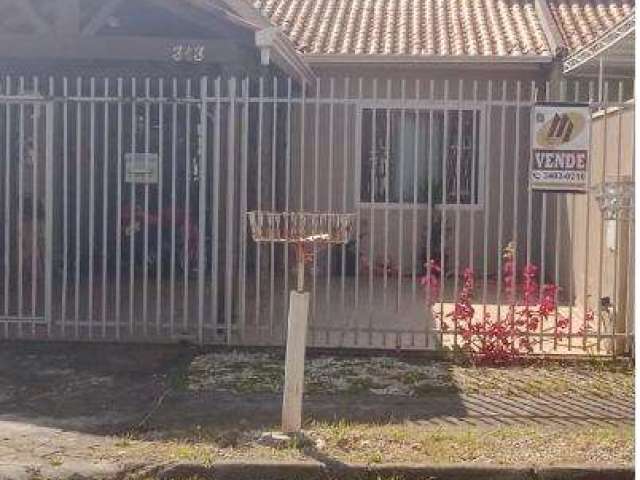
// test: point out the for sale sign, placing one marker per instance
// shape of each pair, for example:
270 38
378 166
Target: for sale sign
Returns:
560 147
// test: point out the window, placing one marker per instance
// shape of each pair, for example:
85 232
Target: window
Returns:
403 156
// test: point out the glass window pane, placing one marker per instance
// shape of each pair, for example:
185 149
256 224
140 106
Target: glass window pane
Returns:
403 156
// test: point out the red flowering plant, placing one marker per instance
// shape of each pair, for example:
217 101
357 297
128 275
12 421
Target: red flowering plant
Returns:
431 281
501 339
186 235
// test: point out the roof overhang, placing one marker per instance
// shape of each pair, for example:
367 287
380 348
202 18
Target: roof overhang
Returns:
325 59
275 46
616 46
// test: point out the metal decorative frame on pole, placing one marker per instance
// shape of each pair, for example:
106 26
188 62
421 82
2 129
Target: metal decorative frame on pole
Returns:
298 229
616 197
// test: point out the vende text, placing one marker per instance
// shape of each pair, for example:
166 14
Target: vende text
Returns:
560 160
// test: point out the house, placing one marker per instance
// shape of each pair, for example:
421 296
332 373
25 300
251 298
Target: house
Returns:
138 134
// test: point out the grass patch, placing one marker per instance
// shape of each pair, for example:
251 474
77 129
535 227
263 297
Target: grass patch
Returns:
403 442
247 373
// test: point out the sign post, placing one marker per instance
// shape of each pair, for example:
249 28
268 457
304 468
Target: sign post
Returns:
299 229
560 146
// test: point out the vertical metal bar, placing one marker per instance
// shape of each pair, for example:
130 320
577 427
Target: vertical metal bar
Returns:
35 152
501 200
444 205
174 154
259 195
119 212
387 186
475 195
604 97
512 293
516 184
49 126
303 183
630 301
586 235
533 97
487 196
303 104
430 198
215 245
21 159
358 199
456 255
78 175
372 231
543 237
7 203
316 174
272 251
403 126
48 234
557 200
345 175
287 184
202 203
616 260
65 205
92 199
105 207
145 247
242 277
132 209
186 227
330 195
231 144
572 209
160 208
414 211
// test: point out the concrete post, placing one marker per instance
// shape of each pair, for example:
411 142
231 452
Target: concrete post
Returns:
294 362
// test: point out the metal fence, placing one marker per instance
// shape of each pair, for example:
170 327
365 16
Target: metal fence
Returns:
123 209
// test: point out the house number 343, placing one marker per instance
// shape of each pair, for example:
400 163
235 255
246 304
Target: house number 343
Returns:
187 53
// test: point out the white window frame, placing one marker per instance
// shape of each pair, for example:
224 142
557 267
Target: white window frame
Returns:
412 106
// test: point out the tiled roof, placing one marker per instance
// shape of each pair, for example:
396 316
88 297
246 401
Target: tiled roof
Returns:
410 27
582 21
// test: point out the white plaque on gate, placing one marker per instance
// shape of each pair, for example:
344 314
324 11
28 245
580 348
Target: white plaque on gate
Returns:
560 147
141 168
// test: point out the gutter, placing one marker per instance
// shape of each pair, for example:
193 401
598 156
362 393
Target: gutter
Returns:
376 59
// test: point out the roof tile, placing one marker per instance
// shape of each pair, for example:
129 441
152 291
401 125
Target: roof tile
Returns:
425 27
582 21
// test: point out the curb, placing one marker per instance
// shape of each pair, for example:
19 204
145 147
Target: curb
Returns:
320 471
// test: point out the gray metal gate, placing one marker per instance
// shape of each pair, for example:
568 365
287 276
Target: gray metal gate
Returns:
134 213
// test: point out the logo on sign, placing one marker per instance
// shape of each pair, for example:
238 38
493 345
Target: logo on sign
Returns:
561 129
